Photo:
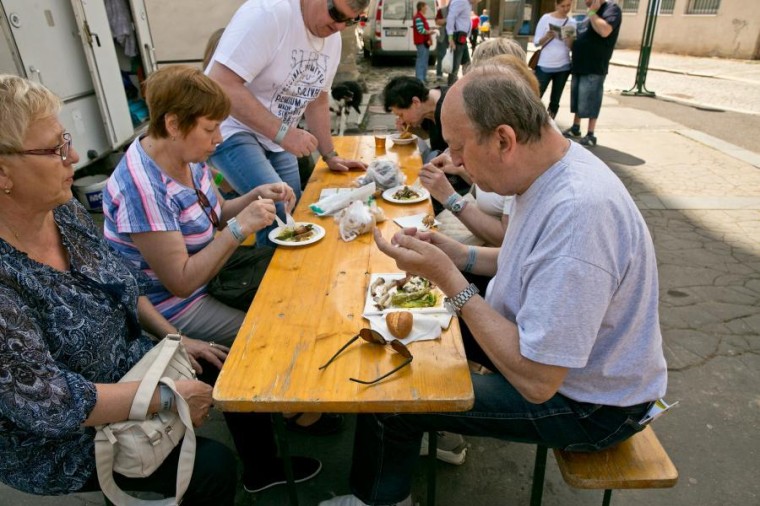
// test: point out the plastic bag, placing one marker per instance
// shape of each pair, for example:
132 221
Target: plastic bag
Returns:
447 64
385 173
337 201
355 220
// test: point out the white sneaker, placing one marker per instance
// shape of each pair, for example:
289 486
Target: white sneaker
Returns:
451 448
352 500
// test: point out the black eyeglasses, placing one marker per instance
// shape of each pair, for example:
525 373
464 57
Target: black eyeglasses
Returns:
374 337
61 150
338 16
211 213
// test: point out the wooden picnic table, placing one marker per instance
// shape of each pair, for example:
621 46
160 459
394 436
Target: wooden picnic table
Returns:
310 303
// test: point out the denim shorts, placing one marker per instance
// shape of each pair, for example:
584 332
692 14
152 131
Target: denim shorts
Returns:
586 93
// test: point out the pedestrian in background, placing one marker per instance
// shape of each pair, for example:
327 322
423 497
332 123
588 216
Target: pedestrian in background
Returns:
485 25
443 40
554 62
474 29
422 41
458 28
592 51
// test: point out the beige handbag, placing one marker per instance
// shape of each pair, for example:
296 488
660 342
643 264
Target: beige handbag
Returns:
138 446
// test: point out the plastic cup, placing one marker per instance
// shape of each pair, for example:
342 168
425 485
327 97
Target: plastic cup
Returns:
381 134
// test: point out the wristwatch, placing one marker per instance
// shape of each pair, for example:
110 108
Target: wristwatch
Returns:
329 156
458 205
455 304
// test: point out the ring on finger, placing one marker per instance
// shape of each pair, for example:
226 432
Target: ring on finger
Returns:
212 344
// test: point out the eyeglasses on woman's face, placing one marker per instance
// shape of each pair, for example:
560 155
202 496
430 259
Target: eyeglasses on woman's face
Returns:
374 337
61 150
338 16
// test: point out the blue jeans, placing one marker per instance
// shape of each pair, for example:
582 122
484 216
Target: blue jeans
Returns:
557 80
246 164
440 50
420 69
586 92
461 57
387 446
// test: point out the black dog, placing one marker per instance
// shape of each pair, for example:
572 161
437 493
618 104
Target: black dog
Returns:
345 96
349 93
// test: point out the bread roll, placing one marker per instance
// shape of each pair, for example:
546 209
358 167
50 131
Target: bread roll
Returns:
400 323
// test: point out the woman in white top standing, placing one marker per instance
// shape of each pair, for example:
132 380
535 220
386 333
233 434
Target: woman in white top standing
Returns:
554 34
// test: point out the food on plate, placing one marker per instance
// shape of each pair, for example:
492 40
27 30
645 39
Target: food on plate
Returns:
406 193
299 233
409 292
428 220
399 323
406 134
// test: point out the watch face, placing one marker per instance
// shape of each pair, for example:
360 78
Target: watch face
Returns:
456 207
449 305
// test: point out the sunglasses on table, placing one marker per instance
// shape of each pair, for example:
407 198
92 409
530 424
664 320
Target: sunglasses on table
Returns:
374 337
61 150
338 16
205 204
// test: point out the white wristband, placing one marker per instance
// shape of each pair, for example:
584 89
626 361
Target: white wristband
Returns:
281 133
236 230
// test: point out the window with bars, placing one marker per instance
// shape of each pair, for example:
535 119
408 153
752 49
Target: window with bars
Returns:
630 6
702 7
667 6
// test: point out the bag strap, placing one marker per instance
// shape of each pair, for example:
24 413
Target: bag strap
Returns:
169 346
104 457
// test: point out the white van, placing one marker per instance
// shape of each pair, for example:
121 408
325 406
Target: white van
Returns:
389 30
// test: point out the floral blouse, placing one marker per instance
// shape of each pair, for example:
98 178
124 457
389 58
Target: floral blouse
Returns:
60 333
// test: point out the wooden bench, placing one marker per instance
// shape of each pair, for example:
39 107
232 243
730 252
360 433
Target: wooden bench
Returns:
638 462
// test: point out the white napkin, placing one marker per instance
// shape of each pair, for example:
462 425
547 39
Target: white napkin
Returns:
337 201
414 220
425 328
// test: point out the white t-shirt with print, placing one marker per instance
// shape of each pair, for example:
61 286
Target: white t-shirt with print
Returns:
283 65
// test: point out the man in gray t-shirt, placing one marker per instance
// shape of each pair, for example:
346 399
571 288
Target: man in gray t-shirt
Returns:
570 322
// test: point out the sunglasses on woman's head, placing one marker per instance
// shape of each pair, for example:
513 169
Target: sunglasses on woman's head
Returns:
374 337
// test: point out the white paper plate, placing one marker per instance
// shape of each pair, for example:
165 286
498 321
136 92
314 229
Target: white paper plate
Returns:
371 309
388 195
319 233
414 220
398 140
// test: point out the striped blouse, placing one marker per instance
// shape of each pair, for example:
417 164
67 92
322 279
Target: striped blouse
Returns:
140 197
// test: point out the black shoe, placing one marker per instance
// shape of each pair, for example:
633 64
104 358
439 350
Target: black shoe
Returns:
328 423
304 468
589 140
573 131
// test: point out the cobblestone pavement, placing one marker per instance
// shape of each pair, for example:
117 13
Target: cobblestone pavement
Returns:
701 200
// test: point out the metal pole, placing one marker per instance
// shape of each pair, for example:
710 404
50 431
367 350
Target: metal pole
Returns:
639 88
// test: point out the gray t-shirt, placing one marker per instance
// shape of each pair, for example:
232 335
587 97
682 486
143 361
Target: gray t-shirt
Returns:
577 274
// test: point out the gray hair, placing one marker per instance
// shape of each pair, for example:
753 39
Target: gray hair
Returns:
358 5
495 47
497 95
22 102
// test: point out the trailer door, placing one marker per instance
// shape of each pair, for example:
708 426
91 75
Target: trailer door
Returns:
100 53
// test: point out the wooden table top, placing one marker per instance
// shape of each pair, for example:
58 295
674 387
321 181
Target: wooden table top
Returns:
310 303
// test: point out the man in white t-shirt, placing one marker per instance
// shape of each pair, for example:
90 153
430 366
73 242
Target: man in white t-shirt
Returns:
277 60
570 321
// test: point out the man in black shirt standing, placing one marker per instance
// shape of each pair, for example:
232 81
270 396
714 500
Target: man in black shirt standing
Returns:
592 51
